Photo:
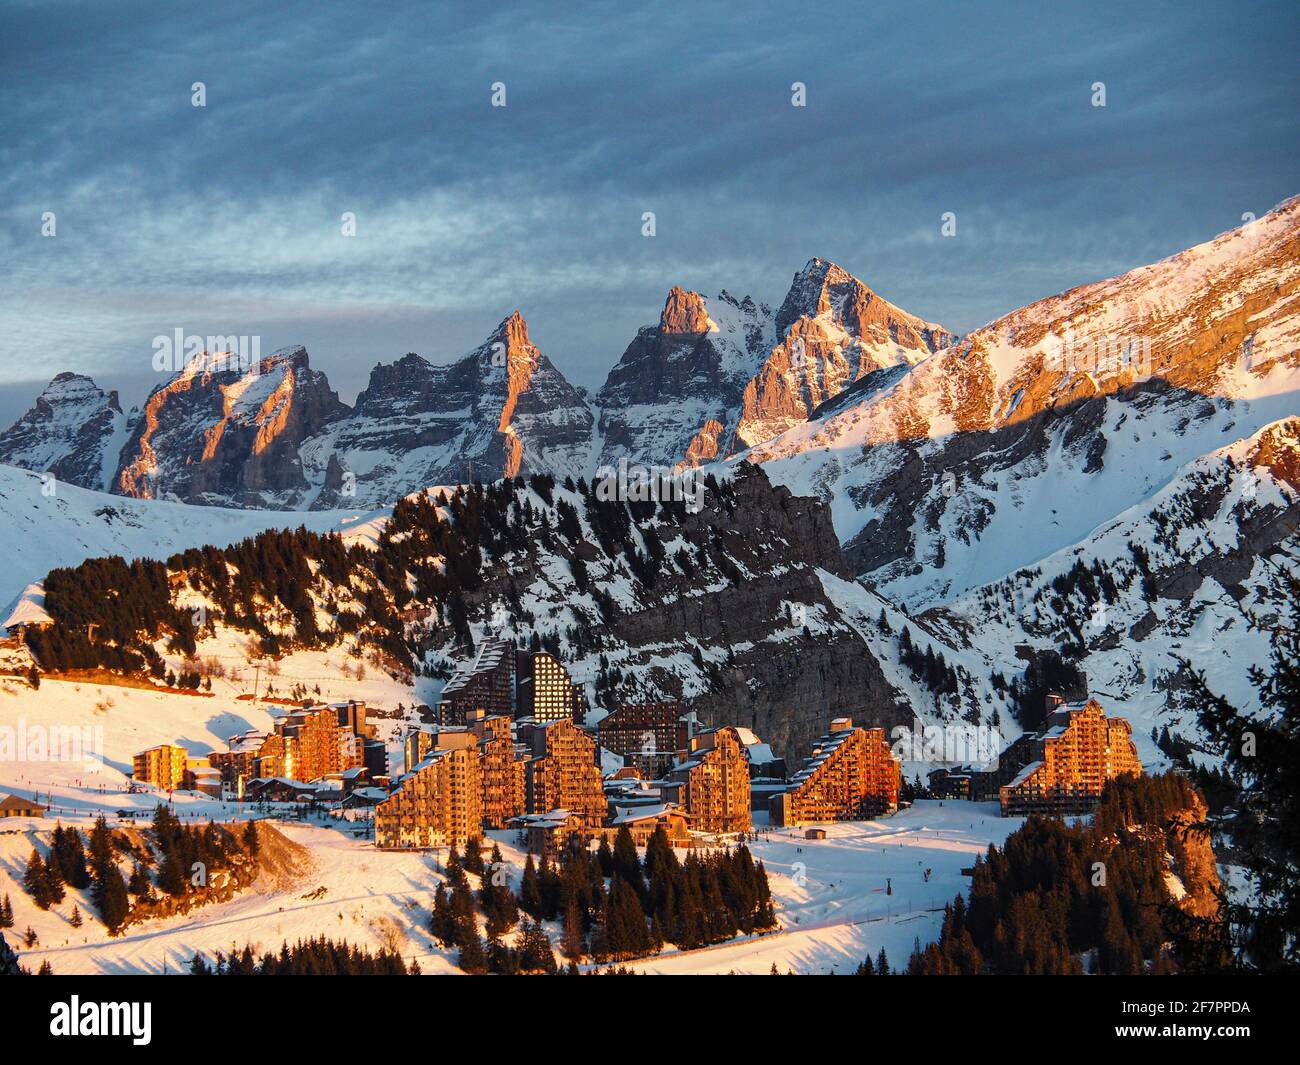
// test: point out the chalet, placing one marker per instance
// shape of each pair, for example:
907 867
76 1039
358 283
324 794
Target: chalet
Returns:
13 806
279 789
643 821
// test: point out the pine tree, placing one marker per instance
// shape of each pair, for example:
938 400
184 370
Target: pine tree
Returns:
72 857
572 943
75 919
472 958
140 884
251 842
35 882
530 894
116 905
6 913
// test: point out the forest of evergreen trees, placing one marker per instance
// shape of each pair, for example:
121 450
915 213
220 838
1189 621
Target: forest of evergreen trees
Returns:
1043 901
177 849
613 905
108 612
313 957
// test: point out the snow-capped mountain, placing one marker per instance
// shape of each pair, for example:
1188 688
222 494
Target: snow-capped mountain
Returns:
718 376
675 394
712 378
499 411
74 431
1029 433
832 331
223 433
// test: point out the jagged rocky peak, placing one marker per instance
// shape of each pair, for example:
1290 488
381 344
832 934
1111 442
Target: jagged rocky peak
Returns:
832 331
225 430
684 313
824 290
501 409
73 431
678 385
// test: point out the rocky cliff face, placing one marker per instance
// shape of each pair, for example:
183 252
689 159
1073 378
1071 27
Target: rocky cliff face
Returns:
73 431
832 331
499 411
675 391
219 433
735 619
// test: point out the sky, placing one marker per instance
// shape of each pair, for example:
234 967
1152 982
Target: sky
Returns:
228 218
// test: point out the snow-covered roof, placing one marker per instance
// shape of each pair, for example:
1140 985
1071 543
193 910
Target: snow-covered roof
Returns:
1024 774
30 608
630 815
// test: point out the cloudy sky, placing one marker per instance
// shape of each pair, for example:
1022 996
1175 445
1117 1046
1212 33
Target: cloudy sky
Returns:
227 218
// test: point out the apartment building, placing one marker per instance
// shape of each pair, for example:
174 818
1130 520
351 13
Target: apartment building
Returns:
438 804
307 744
650 737
486 683
162 766
1064 767
505 788
712 784
563 773
852 774
547 692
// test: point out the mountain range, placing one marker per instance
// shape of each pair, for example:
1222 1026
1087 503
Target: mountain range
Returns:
1111 474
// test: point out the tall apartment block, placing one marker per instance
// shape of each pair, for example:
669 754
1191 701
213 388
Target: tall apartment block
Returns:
505 790
649 736
712 784
563 773
547 692
438 804
1063 769
486 683
851 775
162 766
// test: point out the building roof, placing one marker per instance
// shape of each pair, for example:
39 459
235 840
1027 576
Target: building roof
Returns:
30 608
630 815
13 802
1024 774
490 654
286 781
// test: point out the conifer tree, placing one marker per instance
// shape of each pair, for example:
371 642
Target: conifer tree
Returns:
35 882
251 842
473 959
530 895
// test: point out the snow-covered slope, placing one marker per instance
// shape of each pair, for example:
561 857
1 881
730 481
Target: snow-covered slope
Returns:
45 524
1187 576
